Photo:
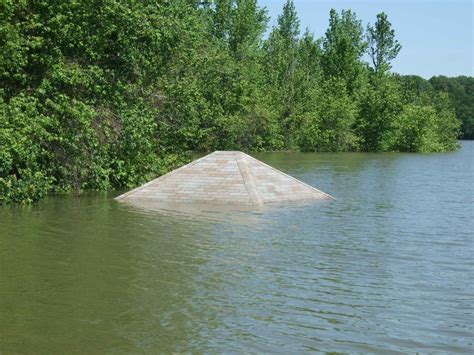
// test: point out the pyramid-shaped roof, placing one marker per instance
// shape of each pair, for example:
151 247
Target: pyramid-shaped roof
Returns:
226 177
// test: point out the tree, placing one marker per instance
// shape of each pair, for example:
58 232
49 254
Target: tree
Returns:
343 47
380 104
327 126
280 65
382 45
281 49
248 25
461 90
425 128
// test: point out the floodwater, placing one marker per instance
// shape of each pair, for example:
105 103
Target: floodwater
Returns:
388 267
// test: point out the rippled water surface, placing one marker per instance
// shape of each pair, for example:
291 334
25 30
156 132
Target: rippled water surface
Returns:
387 267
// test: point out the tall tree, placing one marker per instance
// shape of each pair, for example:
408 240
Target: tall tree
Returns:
281 52
288 23
382 45
248 25
343 47
282 43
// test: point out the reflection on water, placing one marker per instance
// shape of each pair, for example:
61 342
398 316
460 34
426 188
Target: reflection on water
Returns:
388 266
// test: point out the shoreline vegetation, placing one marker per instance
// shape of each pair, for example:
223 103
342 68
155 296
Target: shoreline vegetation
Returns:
99 95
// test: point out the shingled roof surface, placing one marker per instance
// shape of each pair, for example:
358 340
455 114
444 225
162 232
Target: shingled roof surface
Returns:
226 177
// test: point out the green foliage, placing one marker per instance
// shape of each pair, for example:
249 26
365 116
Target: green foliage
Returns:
29 188
382 45
23 130
424 129
343 47
461 91
109 94
380 104
461 96
329 126
282 66
78 105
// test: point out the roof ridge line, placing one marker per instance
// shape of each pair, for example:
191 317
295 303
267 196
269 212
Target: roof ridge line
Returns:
248 180
289 176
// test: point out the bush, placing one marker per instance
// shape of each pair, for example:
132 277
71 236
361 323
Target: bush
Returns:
423 129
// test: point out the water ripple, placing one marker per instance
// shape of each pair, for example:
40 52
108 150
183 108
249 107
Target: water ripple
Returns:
386 268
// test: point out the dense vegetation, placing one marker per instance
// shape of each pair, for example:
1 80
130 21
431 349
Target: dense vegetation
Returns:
461 89
106 94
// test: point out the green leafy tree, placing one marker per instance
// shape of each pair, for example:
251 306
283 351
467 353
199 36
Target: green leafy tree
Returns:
380 104
424 129
343 46
328 126
281 58
461 91
382 45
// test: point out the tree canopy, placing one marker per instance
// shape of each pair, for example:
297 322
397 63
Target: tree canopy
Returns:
107 93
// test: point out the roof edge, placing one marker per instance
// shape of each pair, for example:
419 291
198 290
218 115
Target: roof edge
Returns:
172 172
289 176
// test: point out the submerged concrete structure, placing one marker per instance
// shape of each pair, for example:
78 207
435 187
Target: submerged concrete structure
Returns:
225 177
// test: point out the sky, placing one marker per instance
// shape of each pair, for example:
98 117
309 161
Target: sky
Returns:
436 35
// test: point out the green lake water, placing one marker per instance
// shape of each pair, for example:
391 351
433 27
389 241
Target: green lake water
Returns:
388 267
